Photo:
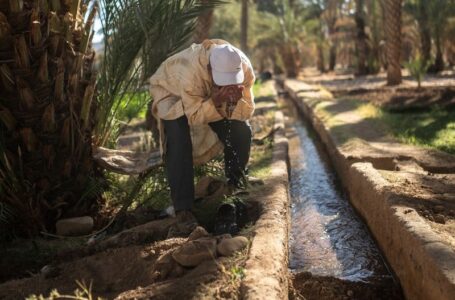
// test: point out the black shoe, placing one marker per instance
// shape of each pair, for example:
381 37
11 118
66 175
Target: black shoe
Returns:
241 213
226 219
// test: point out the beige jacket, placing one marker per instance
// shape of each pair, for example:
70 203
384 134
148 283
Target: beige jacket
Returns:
182 86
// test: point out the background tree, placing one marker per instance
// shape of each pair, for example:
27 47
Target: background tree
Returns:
331 15
361 38
393 9
204 24
244 27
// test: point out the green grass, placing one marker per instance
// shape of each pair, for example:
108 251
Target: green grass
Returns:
257 87
133 106
434 128
260 162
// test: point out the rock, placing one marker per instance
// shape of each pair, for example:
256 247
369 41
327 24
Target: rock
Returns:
164 265
209 187
255 181
177 271
439 219
201 188
221 237
227 247
192 253
50 271
438 209
350 293
198 233
74 226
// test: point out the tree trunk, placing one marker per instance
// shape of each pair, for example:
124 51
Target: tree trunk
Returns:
439 60
331 15
204 23
244 27
47 115
361 39
424 30
393 40
332 57
289 60
321 61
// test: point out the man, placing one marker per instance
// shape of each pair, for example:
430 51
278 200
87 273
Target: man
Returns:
202 99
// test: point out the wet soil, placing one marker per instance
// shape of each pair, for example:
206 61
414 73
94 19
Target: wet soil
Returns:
310 287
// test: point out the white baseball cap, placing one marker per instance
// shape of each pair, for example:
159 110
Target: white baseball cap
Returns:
226 65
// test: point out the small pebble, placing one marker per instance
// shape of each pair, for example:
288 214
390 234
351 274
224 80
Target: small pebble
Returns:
50 271
350 293
198 233
228 247
439 219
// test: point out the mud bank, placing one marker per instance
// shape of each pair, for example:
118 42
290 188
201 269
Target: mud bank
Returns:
267 264
420 251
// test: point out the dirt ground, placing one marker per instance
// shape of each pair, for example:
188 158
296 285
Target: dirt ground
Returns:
436 89
133 264
310 287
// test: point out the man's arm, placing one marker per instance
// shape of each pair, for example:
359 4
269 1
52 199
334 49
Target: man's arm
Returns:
245 106
198 109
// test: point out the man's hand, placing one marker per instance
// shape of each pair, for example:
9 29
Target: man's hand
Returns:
231 93
235 93
219 96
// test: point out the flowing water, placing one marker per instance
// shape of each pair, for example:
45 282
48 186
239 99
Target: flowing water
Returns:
327 236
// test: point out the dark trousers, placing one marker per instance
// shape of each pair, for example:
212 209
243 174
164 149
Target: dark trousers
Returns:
236 137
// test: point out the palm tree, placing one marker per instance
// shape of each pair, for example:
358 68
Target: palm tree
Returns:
331 15
47 111
361 38
244 26
204 23
393 40
53 106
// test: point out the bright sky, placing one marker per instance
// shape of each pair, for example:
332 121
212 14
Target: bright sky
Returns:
98 37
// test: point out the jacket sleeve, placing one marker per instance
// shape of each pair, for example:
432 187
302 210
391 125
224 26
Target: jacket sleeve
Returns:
245 107
199 109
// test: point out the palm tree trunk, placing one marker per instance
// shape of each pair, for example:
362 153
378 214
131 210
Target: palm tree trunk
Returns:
332 56
47 113
439 60
289 60
244 26
203 26
320 60
425 31
361 39
393 40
